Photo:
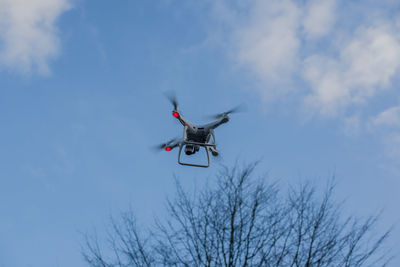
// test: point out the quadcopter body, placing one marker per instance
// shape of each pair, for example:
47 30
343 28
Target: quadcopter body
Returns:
196 136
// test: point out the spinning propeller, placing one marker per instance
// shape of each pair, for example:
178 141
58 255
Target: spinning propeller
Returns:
236 109
168 146
172 98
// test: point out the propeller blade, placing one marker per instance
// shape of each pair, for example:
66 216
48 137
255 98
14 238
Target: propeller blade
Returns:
164 145
237 109
172 98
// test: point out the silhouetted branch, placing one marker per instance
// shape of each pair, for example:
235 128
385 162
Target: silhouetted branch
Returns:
245 222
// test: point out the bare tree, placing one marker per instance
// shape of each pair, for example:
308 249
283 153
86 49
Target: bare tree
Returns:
244 222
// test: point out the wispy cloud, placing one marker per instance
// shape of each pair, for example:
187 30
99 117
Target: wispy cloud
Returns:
334 58
387 125
365 65
319 18
28 34
267 43
392 147
342 62
389 117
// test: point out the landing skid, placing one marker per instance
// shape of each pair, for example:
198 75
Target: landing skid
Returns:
184 143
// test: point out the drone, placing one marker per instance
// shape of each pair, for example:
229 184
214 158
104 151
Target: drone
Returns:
196 136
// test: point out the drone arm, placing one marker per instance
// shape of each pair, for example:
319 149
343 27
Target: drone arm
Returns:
223 120
171 146
174 145
183 121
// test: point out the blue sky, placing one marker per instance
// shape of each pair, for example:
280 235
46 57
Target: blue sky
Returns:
81 102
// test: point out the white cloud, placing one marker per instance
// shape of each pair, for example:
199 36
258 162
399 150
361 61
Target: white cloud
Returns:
28 35
325 77
389 117
319 18
267 43
386 126
341 63
365 65
339 58
373 57
392 146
